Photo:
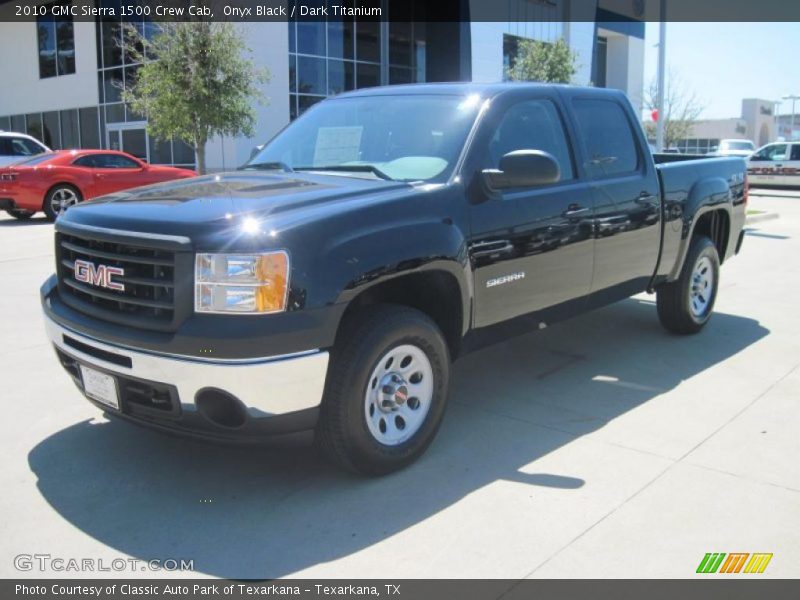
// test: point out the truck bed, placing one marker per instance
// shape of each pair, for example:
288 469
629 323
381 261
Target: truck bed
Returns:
687 181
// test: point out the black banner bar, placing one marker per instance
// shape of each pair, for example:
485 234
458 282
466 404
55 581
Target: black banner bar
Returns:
210 589
710 11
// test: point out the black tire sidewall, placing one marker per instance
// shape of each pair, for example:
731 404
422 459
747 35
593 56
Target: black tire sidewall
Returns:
49 196
701 247
20 214
366 453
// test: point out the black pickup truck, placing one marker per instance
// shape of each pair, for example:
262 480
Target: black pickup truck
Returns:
324 289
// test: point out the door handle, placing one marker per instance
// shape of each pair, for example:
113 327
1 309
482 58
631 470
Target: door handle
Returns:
645 197
575 209
491 248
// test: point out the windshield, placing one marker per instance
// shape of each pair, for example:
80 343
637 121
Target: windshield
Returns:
738 145
404 138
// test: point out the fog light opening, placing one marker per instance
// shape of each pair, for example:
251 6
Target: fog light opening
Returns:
221 408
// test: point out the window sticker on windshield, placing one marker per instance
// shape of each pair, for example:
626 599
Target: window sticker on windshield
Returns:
336 145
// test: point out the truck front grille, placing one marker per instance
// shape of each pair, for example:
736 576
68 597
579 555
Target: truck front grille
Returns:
148 278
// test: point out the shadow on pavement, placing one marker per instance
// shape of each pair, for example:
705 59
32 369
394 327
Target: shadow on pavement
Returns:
12 222
267 513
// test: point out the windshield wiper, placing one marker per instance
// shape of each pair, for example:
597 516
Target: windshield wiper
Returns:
349 168
267 166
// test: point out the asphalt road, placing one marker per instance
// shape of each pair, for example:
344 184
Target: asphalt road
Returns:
600 447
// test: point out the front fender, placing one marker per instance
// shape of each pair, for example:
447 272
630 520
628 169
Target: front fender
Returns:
360 260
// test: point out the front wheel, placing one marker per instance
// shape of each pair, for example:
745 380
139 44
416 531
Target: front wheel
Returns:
685 305
386 390
59 199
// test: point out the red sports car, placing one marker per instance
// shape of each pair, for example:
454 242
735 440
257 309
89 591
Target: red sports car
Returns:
55 181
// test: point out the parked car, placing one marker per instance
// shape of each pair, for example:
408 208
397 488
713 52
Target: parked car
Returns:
55 181
775 164
324 289
743 148
18 146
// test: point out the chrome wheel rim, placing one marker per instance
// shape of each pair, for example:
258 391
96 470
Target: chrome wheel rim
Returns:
702 289
62 199
398 395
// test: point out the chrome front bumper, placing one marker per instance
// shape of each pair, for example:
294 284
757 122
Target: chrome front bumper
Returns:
268 387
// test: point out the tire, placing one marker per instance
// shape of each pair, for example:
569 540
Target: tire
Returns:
20 214
685 305
59 199
386 390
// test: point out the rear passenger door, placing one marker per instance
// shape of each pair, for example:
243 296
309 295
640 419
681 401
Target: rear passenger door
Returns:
627 210
530 248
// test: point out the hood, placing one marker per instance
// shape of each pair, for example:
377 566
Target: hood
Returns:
213 201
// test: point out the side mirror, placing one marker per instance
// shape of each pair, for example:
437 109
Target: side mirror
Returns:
523 168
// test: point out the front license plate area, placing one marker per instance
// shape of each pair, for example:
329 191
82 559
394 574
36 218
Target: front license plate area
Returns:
100 387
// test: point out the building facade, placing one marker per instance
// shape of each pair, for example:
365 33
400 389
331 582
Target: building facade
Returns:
67 76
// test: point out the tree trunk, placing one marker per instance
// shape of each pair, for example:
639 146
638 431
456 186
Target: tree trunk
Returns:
200 156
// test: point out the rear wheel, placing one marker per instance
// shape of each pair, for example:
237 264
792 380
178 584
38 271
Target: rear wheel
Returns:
59 199
386 390
20 214
685 305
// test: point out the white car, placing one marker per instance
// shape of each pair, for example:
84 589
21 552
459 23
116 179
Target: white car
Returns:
18 146
775 164
734 148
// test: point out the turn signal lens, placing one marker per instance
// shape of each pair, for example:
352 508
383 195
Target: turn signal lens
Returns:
241 283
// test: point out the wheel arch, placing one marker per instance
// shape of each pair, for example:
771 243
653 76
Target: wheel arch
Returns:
708 212
436 292
68 182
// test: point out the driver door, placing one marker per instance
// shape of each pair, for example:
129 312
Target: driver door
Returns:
115 172
531 249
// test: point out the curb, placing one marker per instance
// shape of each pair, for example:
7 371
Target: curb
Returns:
753 219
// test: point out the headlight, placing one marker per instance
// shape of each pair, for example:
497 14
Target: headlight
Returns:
241 283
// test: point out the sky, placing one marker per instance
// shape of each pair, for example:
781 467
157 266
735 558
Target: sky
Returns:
725 62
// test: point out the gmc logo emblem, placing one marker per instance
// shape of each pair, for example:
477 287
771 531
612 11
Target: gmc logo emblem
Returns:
99 275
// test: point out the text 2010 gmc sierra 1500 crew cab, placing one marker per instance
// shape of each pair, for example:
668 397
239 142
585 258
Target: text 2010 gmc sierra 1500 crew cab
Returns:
326 286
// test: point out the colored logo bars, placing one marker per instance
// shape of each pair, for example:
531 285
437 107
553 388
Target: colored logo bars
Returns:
736 562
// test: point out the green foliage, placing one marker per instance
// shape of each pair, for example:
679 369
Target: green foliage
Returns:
543 61
199 85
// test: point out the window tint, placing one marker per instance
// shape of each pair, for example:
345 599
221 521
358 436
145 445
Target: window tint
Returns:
117 161
796 152
106 161
14 146
608 137
772 152
86 161
532 125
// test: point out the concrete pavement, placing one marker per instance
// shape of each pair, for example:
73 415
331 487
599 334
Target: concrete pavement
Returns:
600 447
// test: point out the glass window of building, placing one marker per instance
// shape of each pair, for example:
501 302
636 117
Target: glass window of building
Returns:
338 54
70 137
90 128
56 42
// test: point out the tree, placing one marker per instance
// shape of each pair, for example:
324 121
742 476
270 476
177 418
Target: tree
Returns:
681 109
543 61
200 83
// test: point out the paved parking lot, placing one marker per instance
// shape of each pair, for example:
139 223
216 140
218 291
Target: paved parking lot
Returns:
600 447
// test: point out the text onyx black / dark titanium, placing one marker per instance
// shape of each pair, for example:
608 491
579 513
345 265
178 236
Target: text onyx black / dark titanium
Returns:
326 286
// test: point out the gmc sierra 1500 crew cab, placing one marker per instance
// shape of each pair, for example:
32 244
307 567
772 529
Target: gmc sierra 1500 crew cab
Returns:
324 288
